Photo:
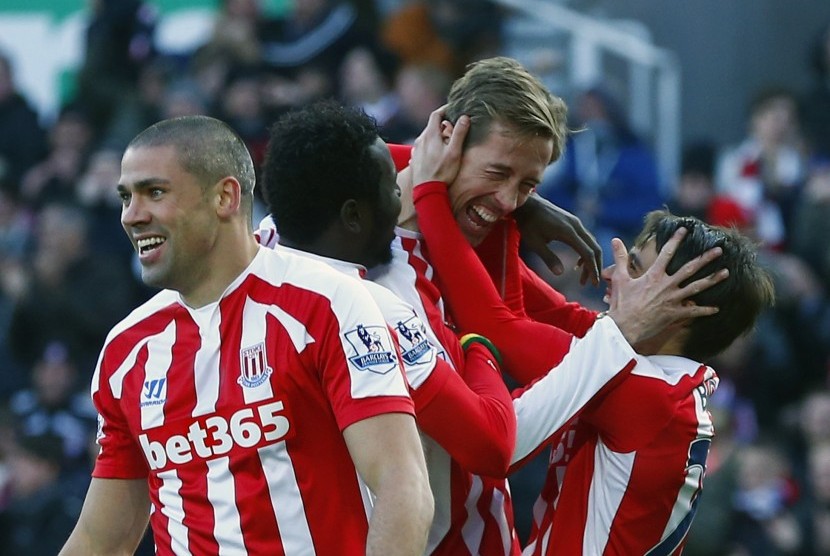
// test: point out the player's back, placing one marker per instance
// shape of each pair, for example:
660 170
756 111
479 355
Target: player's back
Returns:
628 489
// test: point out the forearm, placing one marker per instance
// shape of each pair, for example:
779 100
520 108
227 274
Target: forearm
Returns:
401 516
544 304
471 418
473 299
594 364
113 519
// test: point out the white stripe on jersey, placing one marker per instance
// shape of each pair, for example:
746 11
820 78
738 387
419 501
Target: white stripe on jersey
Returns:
400 278
497 505
159 359
286 500
206 381
227 524
116 381
612 471
473 528
693 482
253 334
550 402
171 506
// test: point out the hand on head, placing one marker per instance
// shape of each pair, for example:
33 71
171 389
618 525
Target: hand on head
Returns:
436 154
654 302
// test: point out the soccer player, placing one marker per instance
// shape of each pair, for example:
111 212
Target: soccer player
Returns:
340 207
624 475
473 512
239 410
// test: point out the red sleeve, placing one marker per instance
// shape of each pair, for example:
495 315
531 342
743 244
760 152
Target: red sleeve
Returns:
500 254
120 456
400 155
475 421
544 304
472 298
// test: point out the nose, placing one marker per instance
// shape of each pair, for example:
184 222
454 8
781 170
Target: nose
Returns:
133 213
607 272
507 198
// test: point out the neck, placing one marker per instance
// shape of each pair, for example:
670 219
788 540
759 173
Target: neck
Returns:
325 246
229 259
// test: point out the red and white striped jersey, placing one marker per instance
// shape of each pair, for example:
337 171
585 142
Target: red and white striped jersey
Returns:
234 412
473 514
627 475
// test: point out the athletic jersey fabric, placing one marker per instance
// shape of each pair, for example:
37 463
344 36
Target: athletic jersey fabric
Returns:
471 418
234 412
473 513
628 474
627 469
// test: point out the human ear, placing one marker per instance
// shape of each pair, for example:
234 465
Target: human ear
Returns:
351 216
228 197
446 130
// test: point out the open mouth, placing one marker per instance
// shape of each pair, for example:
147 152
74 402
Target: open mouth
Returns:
149 244
481 216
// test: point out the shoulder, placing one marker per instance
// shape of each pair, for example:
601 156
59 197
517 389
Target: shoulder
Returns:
144 312
281 268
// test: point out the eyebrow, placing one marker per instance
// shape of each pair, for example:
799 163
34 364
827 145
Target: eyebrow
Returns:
143 184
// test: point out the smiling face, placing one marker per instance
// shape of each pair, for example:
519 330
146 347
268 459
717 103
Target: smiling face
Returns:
640 260
496 176
168 217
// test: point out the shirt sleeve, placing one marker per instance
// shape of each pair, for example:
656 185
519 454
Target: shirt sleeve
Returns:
471 418
360 362
472 298
544 304
599 362
119 457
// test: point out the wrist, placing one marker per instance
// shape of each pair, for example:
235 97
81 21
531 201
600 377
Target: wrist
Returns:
468 339
628 327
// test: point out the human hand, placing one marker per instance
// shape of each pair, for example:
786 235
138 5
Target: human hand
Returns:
541 222
434 156
646 306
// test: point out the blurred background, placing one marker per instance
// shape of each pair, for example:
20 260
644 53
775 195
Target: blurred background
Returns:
720 110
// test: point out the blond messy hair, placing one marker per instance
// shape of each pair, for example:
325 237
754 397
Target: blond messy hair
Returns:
500 90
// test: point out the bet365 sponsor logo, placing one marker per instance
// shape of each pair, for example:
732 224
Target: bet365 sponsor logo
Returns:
215 435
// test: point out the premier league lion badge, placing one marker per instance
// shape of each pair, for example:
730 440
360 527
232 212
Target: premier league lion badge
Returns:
373 347
413 339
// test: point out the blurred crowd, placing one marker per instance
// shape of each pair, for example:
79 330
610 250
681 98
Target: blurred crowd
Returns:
67 271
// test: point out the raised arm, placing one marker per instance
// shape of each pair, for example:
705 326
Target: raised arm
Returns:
472 297
471 418
113 519
386 451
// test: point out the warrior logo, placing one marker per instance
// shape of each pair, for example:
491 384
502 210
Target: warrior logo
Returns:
253 365
413 340
373 347
153 390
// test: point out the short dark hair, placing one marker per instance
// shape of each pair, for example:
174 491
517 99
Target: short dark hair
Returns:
208 149
740 298
318 157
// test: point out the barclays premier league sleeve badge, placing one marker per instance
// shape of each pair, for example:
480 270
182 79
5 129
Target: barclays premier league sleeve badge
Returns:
373 348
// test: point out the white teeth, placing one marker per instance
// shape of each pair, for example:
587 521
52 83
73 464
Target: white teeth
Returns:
485 214
149 243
